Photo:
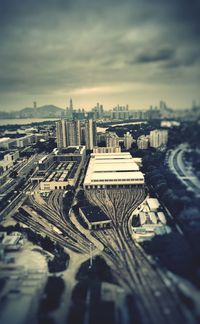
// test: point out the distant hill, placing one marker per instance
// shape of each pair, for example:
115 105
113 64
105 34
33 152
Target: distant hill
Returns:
47 111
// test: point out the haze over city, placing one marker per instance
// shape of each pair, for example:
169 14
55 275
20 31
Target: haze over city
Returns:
134 52
99 162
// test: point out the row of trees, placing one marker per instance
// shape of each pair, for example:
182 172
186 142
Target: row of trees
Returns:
188 132
182 204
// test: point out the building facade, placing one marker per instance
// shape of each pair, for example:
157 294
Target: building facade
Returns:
112 170
107 149
112 140
128 140
120 112
61 133
90 134
158 138
143 142
68 133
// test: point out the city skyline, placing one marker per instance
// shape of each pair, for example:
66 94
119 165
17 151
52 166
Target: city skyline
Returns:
108 51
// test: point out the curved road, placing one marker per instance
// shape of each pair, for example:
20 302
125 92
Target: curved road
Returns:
177 166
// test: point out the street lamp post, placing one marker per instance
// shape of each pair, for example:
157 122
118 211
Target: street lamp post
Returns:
91 260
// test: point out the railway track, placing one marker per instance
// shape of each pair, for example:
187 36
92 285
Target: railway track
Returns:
157 302
51 214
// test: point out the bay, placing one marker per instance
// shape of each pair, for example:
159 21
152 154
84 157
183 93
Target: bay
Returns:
25 121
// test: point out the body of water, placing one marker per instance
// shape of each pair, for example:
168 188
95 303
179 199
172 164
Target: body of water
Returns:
103 129
129 123
25 121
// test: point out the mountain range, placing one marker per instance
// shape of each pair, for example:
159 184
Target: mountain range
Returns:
47 111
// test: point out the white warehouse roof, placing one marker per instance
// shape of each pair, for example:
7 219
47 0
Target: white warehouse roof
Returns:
108 156
112 168
153 203
105 167
116 176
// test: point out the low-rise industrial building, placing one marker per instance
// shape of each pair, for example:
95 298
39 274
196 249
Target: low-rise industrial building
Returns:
7 159
149 221
153 204
63 174
94 217
60 168
17 141
12 242
105 149
70 153
112 170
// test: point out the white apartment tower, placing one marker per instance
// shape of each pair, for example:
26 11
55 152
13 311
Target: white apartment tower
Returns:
68 133
143 142
61 133
158 138
74 132
128 140
112 140
90 134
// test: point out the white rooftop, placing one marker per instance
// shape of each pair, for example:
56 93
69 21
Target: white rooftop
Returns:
153 203
116 166
4 139
108 156
43 159
117 176
113 168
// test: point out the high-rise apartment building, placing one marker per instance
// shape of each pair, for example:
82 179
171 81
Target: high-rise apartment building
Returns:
143 142
128 140
158 138
90 134
73 132
68 133
61 133
112 140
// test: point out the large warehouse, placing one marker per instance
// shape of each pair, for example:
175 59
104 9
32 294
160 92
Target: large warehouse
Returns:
108 170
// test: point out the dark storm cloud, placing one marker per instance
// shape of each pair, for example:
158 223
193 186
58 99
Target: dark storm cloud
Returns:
164 54
61 46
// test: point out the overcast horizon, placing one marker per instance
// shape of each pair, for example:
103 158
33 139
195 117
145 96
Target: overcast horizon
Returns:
133 52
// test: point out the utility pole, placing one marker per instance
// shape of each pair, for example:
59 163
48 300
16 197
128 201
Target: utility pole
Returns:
91 260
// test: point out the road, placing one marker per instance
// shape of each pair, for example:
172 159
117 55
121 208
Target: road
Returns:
177 165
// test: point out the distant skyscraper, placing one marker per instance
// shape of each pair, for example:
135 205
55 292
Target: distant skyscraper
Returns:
90 134
158 138
97 111
153 113
120 112
69 110
71 104
163 106
35 108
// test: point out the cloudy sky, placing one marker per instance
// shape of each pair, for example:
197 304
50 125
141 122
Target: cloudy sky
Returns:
108 51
